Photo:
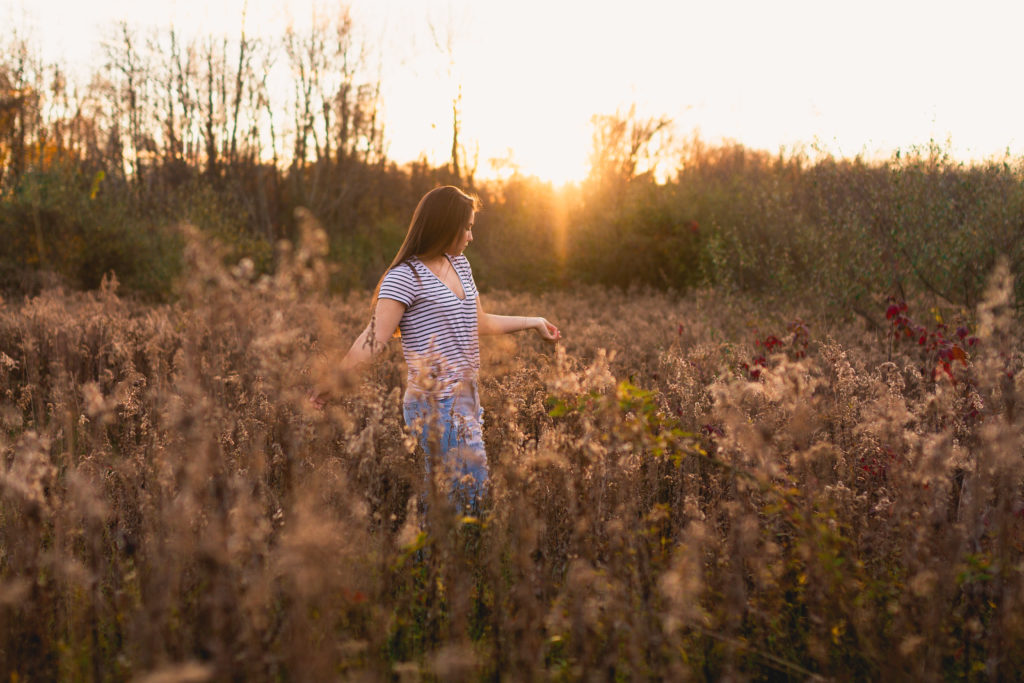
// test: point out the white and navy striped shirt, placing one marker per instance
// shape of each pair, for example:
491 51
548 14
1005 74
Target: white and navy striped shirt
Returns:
439 330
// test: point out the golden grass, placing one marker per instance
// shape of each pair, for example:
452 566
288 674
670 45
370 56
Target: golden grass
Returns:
173 508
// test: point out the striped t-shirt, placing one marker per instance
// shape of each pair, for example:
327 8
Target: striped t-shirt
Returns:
439 330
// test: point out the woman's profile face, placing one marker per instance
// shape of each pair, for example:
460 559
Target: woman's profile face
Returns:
464 238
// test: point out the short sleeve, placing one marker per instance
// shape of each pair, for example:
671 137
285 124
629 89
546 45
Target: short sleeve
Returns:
399 284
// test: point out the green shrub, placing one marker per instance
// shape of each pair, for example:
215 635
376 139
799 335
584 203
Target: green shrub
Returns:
61 224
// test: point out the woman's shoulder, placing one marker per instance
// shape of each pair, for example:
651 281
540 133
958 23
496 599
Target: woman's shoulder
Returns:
403 275
461 262
405 268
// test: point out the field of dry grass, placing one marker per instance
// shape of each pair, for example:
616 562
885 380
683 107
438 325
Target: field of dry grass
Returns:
697 487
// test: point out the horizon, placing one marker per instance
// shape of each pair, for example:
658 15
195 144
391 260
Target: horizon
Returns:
777 79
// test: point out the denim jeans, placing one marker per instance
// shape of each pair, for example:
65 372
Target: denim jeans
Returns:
451 429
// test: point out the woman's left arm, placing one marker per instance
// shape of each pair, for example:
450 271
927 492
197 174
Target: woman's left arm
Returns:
489 323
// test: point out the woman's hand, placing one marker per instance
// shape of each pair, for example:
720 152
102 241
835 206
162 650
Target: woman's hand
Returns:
333 385
316 399
546 330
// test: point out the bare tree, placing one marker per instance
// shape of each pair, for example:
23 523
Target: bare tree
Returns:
128 82
167 109
334 110
445 42
242 72
298 49
212 101
626 144
15 99
22 94
185 68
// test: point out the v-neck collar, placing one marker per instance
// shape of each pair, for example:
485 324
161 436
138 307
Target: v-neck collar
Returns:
457 275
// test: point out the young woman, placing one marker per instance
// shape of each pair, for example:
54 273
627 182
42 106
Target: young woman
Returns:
428 293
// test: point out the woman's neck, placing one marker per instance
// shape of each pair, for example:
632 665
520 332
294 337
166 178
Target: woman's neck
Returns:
435 260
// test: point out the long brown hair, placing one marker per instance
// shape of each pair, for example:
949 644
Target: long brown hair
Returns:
435 226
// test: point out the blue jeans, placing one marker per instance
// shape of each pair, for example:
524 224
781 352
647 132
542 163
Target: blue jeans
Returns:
451 429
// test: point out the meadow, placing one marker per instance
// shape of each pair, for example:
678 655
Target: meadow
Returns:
691 486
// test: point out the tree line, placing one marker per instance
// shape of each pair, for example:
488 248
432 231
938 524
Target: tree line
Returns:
95 175
169 128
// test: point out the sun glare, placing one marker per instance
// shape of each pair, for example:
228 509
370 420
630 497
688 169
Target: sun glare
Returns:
561 170
559 164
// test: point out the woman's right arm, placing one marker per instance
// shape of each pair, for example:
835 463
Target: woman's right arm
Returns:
385 319
374 338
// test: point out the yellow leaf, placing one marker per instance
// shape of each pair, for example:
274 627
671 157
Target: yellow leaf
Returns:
96 180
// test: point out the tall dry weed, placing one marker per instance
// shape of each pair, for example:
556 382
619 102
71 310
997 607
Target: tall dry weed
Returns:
668 498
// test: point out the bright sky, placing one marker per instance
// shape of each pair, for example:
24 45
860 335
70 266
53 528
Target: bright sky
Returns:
848 77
